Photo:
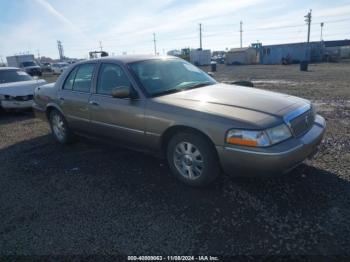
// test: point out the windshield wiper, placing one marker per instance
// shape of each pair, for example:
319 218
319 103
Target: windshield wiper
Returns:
200 84
175 90
167 92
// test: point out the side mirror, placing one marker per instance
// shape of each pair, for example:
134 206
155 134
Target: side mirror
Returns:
121 92
124 92
211 74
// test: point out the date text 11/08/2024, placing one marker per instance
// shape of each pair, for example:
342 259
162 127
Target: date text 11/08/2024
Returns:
173 258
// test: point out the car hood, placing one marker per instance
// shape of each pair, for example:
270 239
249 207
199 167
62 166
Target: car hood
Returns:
31 67
236 102
22 88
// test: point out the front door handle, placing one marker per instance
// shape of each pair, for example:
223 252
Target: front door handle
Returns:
94 103
61 98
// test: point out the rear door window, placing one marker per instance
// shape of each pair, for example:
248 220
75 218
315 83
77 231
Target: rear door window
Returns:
83 78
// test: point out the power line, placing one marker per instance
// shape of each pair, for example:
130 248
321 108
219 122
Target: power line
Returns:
248 32
209 35
114 39
281 27
336 21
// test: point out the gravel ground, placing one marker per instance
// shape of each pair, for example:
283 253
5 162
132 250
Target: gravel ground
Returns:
92 198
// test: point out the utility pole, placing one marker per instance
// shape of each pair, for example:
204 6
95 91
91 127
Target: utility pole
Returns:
38 54
322 24
155 43
308 22
100 45
200 36
241 31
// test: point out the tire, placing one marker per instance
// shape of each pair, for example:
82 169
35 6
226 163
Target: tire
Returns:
59 128
193 159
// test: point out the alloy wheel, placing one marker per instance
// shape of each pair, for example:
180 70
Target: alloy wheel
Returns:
188 160
58 126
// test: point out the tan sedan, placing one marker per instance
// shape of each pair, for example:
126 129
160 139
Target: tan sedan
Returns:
170 107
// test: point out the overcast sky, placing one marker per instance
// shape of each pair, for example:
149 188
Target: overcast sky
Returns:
128 26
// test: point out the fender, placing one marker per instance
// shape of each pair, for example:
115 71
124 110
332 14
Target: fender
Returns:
53 105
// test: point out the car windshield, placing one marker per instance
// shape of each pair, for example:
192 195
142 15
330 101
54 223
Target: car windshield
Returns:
29 63
165 76
9 76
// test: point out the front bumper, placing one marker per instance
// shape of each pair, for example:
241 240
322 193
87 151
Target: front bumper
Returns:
13 104
277 159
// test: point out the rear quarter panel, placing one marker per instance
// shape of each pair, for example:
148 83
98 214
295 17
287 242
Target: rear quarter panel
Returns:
47 95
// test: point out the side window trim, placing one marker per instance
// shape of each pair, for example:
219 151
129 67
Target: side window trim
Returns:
74 70
92 78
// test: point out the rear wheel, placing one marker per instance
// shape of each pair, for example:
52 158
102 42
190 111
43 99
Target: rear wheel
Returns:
59 127
193 159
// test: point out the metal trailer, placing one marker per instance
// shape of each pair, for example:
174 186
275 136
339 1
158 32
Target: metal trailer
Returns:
17 60
200 57
25 62
242 56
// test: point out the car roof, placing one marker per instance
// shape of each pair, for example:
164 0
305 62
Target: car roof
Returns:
128 58
9 68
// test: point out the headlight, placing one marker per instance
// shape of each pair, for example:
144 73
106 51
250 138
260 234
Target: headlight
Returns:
278 133
260 138
8 97
247 138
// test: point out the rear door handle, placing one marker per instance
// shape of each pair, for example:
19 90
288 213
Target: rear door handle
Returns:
94 103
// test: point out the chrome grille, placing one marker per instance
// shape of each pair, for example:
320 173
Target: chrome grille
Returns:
302 123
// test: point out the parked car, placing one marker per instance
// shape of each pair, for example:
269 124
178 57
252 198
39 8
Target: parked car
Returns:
46 67
170 107
58 68
17 88
31 68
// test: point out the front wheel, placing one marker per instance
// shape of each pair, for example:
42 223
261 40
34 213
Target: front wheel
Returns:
193 159
59 127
